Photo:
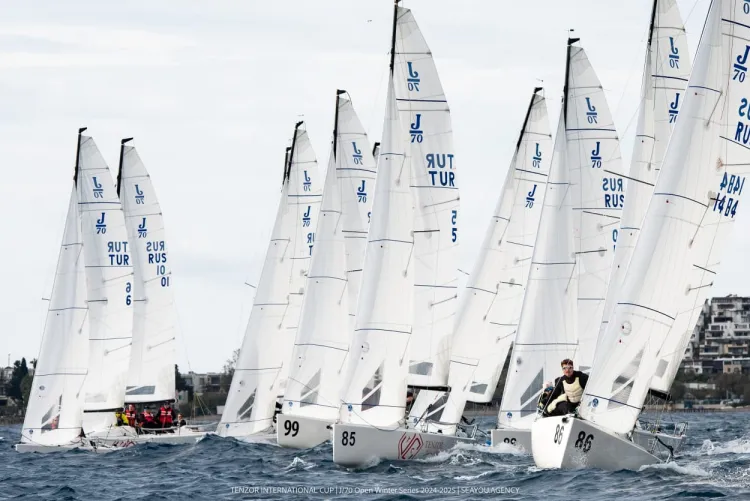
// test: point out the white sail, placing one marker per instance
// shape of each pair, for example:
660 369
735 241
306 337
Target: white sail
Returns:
491 306
424 113
263 363
547 327
597 183
152 356
329 307
377 366
687 225
55 409
109 283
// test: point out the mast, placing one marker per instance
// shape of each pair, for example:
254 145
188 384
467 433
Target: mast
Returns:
78 153
571 41
653 21
336 122
393 35
526 119
291 151
119 168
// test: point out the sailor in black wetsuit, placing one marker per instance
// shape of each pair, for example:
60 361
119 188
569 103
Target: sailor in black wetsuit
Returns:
568 391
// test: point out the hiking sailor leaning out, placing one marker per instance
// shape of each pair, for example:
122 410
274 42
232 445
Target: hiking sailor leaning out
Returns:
568 390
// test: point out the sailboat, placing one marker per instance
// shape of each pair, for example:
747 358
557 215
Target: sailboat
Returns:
263 364
675 261
109 284
573 251
312 398
53 420
151 374
407 302
665 76
488 317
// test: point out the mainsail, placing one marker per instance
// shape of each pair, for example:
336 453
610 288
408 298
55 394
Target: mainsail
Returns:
55 409
597 183
151 376
490 308
333 282
263 363
109 283
686 227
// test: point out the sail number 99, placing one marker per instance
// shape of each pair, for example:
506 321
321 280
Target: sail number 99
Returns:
291 427
347 438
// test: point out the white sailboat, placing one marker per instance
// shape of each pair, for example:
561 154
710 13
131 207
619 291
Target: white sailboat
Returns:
109 283
488 316
263 363
151 373
407 302
312 398
54 414
675 260
573 252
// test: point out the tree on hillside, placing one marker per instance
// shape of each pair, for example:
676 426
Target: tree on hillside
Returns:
20 371
226 377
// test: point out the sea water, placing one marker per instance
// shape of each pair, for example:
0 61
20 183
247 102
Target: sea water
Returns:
714 463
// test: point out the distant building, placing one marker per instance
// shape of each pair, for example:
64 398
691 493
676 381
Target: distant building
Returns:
721 339
209 382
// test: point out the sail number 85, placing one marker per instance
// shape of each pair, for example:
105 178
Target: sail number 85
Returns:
347 438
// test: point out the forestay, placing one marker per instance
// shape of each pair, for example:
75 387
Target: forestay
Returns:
263 363
687 225
547 326
597 184
109 283
151 376
330 302
424 112
55 409
491 306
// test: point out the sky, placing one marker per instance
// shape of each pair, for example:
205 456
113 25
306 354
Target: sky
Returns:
211 91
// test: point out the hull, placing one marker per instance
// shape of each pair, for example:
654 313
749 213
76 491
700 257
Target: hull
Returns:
126 436
358 445
570 443
514 437
658 444
91 446
301 432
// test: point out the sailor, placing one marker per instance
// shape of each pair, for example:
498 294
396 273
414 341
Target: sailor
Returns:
120 420
568 390
165 416
130 415
148 419
181 421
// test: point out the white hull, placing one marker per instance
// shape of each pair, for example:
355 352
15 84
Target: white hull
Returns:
357 445
301 432
46 449
569 443
126 436
658 443
510 436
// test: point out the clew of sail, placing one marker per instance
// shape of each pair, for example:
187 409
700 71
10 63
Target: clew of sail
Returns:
329 306
55 409
491 306
686 227
152 356
263 363
547 326
109 283
597 184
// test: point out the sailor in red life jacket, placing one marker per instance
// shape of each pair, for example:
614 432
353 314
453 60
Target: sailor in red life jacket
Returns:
165 415
148 419
130 415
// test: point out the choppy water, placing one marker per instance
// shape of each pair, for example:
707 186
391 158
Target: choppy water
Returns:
715 463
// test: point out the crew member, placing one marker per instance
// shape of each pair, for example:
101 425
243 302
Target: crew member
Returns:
566 396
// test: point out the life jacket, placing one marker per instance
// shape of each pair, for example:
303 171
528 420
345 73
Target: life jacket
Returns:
147 417
165 416
130 416
574 390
